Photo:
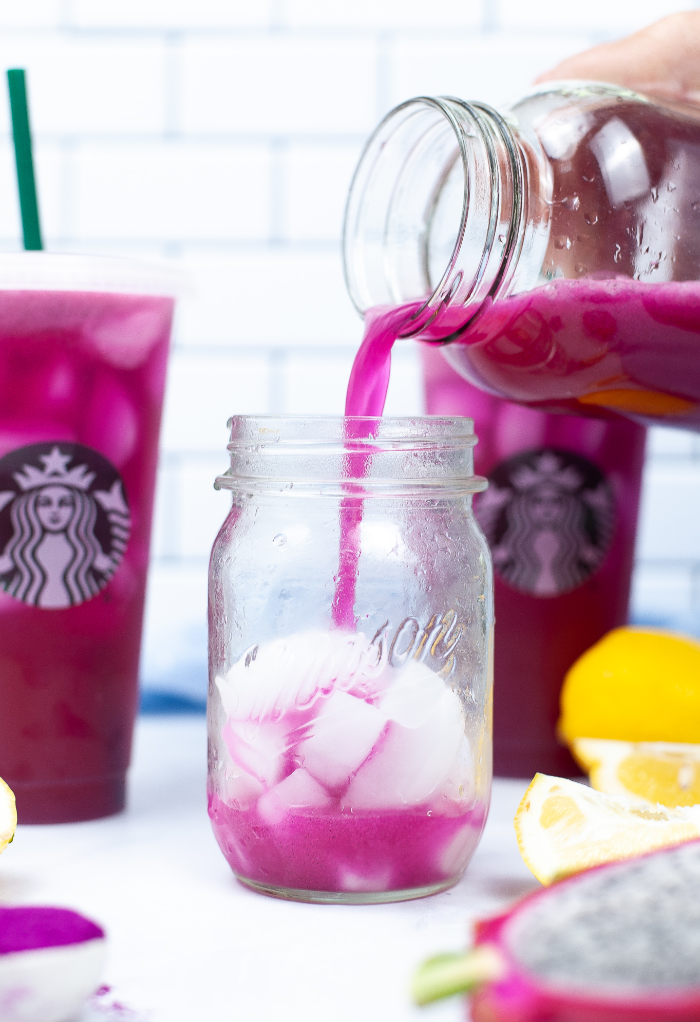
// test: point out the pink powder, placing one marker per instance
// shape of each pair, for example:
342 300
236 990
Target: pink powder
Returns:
28 927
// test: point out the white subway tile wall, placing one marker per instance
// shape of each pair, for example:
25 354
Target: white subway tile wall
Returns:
223 134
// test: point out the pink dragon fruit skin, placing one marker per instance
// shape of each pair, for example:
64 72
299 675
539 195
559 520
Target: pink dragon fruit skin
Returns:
522 997
659 896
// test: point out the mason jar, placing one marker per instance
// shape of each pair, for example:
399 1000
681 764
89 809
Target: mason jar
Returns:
350 658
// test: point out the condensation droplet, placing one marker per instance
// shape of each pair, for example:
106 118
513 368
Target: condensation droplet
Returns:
562 242
618 254
590 218
695 206
571 202
280 539
654 194
670 187
581 268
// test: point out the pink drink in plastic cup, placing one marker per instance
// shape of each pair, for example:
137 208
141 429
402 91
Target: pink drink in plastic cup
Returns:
83 353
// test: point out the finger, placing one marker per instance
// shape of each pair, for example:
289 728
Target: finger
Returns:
663 58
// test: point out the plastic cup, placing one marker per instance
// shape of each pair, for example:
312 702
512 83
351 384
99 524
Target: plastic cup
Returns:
83 352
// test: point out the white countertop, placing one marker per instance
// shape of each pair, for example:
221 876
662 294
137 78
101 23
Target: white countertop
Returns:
187 943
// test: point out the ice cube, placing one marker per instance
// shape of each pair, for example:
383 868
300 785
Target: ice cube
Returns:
257 749
457 789
297 791
413 695
240 790
409 763
112 422
453 858
293 671
343 734
125 338
376 877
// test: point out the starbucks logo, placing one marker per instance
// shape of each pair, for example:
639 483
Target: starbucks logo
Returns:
64 524
549 517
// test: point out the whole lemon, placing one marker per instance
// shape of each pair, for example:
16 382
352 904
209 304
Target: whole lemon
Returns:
636 685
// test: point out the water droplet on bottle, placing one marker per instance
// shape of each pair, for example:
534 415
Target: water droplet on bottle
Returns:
571 202
695 206
280 539
618 254
562 242
591 218
654 194
502 238
581 268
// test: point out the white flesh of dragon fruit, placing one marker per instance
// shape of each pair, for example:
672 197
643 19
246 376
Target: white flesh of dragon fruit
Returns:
624 928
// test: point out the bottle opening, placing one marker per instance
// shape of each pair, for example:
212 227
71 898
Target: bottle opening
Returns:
434 209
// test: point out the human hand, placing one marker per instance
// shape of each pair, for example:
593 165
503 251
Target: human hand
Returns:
663 59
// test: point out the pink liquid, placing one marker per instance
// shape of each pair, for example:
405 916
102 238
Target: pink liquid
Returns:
592 347
340 851
87 369
366 396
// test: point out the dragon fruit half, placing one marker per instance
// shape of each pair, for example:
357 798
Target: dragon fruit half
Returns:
618 943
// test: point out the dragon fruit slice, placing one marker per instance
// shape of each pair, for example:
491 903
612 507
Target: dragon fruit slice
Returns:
618 943
50 962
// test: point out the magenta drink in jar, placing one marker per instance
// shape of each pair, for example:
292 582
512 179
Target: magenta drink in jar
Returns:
83 353
351 628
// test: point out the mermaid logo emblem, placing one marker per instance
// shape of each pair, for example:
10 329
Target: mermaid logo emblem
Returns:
64 524
548 516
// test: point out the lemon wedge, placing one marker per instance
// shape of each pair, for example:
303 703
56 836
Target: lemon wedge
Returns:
564 827
665 772
8 815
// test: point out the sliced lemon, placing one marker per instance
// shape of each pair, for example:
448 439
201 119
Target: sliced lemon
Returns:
564 827
665 772
8 815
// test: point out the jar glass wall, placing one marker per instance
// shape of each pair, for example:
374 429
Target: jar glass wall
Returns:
351 637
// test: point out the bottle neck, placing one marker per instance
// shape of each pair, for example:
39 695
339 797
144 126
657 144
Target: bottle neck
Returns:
438 213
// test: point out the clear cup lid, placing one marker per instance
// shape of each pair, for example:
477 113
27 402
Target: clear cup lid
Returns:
55 271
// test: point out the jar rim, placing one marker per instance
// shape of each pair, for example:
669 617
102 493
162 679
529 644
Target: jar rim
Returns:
387 427
362 456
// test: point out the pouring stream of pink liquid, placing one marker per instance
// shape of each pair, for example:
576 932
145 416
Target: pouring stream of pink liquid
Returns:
582 346
366 396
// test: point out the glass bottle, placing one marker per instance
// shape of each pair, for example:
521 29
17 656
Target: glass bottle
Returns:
351 627
555 249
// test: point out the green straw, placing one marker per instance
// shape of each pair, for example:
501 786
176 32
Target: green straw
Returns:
25 164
